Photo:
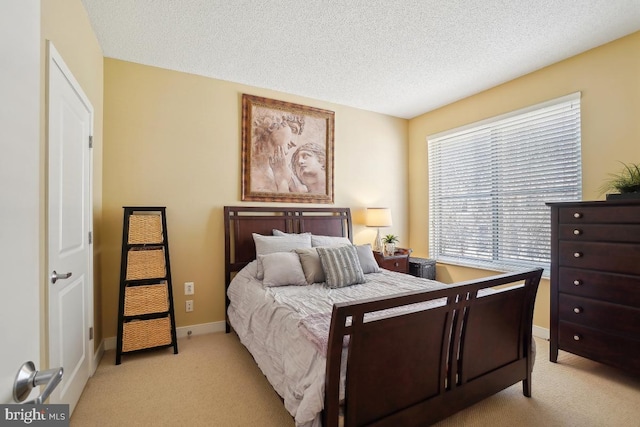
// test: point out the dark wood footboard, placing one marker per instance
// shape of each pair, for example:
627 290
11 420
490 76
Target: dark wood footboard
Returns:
416 367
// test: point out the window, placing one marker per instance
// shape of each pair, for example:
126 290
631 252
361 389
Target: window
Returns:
489 182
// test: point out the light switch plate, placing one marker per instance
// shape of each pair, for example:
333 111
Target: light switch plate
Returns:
189 288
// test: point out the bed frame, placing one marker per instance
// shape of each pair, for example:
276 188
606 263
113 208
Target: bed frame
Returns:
417 367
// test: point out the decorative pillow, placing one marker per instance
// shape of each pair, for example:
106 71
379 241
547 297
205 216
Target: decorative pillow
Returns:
367 261
341 266
281 269
271 244
329 240
311 265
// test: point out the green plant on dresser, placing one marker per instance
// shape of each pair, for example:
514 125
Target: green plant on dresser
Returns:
625 184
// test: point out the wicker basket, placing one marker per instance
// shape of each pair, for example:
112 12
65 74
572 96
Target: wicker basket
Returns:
145 229
146 299
140 334
147 263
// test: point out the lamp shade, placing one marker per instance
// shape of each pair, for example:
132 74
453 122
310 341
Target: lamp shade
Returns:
378 217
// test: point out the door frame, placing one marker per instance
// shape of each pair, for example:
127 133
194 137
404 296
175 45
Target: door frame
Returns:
54 58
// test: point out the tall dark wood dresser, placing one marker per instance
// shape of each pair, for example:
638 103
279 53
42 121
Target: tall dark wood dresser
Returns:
595 281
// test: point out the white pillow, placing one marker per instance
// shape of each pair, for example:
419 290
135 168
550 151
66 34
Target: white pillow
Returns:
271 244
367 260
282 269
329 240
277 232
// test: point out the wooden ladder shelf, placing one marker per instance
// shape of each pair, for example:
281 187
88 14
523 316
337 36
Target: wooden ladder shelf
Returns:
145 316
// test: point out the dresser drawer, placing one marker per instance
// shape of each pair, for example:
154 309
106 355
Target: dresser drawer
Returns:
611 287
602 214
601 346
600 232
615 318
614 257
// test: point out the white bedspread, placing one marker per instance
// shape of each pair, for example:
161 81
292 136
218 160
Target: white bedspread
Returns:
268 322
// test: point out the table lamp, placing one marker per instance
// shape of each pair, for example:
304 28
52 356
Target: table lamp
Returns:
378 217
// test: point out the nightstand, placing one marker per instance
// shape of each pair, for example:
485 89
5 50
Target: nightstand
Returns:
399 261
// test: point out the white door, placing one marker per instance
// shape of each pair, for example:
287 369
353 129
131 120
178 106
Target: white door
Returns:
69 219
22 277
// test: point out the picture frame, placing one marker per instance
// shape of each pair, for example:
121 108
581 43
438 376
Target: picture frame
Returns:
287 152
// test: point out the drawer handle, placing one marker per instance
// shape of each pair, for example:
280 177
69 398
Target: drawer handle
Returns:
577 232
577 215
577 337
397 264
577 282
578 310
577 254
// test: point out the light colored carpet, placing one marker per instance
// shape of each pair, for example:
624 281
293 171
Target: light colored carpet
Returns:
213 381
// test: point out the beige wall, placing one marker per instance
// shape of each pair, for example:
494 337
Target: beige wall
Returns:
608 78
66 24
173 139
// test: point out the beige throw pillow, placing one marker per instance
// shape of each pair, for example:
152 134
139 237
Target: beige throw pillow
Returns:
311 265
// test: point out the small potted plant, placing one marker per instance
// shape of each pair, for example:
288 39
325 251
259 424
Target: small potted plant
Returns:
626 184
390 241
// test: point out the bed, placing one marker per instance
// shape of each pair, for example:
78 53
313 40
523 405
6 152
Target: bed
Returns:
393 350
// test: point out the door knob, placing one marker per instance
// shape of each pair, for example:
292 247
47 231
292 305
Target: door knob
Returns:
58 276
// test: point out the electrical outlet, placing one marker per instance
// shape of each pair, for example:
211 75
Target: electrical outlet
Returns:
189 288
189 305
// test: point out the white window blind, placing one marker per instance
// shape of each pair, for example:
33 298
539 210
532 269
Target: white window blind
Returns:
489 182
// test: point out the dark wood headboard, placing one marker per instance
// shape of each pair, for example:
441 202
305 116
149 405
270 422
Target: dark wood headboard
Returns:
240 222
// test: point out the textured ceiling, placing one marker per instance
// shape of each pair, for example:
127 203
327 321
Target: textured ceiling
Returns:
401 58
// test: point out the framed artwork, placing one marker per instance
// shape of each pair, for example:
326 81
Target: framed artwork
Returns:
287 152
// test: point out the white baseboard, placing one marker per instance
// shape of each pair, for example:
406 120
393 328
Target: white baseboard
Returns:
208 328
97 357
540 332
183 331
